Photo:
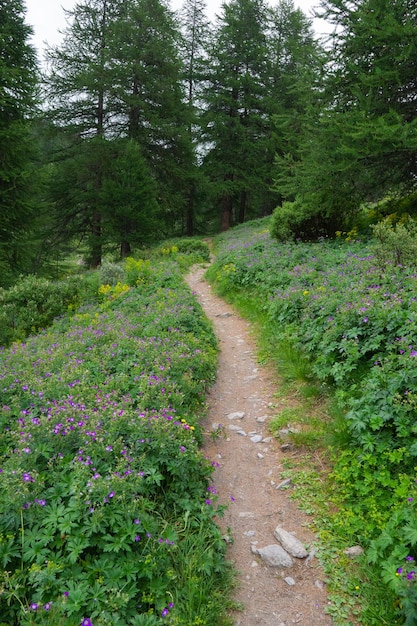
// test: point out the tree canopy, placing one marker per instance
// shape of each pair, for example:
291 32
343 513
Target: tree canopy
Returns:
157 123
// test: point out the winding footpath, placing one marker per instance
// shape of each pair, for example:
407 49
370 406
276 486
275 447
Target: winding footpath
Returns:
248 474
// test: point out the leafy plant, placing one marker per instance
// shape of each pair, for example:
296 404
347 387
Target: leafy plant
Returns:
349 330
103 485
397 244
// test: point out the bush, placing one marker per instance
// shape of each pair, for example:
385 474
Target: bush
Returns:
396 551
187 246
33 303
111 274
397 243
305 220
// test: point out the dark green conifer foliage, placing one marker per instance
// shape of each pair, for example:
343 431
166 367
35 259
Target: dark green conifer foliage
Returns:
129 186
196 33
78 89
148 97
236 108
295 62
18 78
362 141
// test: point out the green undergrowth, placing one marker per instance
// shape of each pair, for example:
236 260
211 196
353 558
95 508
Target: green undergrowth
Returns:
338 319
32 304
107 506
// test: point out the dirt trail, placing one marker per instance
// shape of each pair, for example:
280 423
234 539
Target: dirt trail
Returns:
248 476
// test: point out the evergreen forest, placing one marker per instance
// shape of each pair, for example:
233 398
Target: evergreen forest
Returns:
147 123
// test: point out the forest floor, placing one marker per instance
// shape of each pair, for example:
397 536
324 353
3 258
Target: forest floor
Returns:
248 475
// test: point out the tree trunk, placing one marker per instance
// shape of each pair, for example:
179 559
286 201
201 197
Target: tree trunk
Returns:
125 249
96 247
226 212
243 206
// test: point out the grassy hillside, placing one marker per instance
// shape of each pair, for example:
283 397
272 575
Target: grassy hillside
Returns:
339 318
106 504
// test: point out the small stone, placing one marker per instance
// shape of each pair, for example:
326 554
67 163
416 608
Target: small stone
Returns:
354 551
267 440
261 419
237 415
290 581
256 438
319 584
274 555
285 483
287 447
260 456
290 543
234 427
250 533
246 514
241 432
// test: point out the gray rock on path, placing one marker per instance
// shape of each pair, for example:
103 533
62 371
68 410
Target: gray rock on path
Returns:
237 415
273 555
290 543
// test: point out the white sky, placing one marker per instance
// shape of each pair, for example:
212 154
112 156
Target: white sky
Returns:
47 17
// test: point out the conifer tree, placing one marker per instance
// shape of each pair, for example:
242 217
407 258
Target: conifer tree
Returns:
196 34
18 79
236 108
362 141
78 89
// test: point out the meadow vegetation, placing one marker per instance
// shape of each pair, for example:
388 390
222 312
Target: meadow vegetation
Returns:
339 318
107 506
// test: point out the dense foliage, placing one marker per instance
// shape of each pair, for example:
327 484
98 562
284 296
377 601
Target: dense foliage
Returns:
157 123
351 310
106 501
17 102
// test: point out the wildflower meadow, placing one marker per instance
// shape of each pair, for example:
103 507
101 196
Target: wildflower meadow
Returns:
107 504
349 313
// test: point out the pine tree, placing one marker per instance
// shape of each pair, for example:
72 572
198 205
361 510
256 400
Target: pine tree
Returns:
295 59
236 107
18 79
117 74
78 90
129 186
196 33
362 142
149 96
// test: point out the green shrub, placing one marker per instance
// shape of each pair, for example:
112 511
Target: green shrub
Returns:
305 220
396 243
111 274
33 303
138 272
395 550
196 247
